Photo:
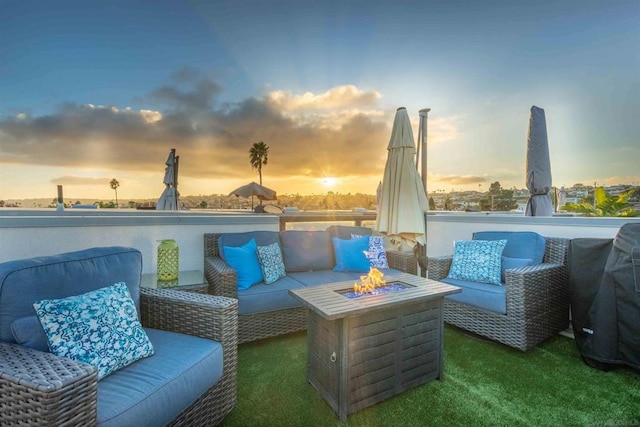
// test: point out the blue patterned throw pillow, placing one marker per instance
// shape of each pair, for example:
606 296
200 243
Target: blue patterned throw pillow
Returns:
271 263
100 328
477 261
377 254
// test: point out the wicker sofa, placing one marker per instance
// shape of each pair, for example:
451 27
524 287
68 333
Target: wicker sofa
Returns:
287 314
189 380
536 298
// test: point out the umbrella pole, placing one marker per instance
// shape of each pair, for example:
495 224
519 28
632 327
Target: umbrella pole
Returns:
422 249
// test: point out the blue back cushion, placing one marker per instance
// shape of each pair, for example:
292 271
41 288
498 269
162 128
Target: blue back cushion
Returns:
263 238
307 250
520 244
26 281
345 231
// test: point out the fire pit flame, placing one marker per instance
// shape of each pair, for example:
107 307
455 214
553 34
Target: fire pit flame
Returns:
369 282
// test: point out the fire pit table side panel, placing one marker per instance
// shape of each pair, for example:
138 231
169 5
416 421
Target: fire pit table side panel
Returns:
358 361
324 351
392 351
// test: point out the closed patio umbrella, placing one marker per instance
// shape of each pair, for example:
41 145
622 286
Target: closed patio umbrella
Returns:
254 189
403 201
168 201
538 166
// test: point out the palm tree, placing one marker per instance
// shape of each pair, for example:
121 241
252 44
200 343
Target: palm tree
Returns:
114 184
605 205
258 157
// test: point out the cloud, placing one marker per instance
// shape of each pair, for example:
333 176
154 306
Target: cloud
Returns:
461 179
80 180
443 129
199 96
341 132
340 97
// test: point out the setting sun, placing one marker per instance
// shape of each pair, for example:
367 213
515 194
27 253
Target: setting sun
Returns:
328 182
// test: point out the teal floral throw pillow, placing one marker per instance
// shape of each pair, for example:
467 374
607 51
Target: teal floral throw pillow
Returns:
100 328
477 261
271 263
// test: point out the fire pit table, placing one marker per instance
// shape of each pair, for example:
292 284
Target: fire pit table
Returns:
364 350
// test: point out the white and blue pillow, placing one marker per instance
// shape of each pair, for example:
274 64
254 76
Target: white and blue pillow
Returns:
100 328
477 261
377 254
271 263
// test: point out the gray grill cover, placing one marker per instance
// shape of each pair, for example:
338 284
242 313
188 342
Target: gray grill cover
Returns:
604 280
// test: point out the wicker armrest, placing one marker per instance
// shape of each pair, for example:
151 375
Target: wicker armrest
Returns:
403 261
39 388
534 286
206 316
221 277
438 267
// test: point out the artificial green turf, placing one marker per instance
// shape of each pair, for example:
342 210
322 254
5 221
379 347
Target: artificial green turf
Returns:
485 384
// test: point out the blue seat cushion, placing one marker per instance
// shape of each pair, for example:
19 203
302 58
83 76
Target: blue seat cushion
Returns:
481 295
520 244
262 298
263 238
154 390
306 250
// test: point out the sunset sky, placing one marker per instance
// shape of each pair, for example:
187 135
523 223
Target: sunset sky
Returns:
91 91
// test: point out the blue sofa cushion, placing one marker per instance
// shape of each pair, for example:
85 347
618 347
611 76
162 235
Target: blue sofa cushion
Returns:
345 231
27 331
307 250
263 298
262 238
520 244
350 254
100 328
26 281
154 390
509 263
477 261
482 295
244 260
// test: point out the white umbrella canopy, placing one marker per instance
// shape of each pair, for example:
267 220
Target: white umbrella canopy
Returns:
403 201
168 201
254 189
538 166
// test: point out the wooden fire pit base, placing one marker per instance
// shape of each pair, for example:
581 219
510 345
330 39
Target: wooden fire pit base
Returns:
389 344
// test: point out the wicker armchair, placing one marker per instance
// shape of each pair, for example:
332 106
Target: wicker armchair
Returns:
40 388
537 299
222 280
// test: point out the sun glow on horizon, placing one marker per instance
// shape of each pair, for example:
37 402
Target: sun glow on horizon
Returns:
328 181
